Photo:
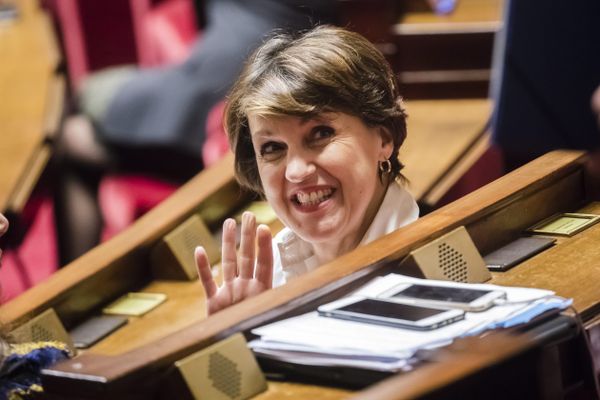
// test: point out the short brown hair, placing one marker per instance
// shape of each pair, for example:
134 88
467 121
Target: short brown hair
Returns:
326 69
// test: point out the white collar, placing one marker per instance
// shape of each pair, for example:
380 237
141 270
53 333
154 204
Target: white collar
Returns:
397 209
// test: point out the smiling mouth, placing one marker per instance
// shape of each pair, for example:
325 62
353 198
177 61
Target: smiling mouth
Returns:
312 198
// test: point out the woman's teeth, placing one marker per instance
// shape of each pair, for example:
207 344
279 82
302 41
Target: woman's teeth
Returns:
312 198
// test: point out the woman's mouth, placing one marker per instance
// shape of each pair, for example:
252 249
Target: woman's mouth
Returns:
312 198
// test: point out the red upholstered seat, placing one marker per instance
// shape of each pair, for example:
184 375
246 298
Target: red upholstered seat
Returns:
216 144
163 31
124 198
36 257
164 35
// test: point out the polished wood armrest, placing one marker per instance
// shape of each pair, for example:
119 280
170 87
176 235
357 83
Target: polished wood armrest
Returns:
31 104
462 359
490 214
122 263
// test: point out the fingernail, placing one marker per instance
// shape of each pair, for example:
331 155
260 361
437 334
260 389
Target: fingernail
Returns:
247 217
264 227
229 223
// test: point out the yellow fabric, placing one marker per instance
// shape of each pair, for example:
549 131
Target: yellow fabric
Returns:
24 348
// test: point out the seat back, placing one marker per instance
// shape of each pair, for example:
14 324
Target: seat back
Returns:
164 31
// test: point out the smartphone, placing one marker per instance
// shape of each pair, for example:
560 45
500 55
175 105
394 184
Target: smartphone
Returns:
466 299
390 313
516 252
95 329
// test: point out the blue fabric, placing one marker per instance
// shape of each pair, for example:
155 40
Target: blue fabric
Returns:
20 371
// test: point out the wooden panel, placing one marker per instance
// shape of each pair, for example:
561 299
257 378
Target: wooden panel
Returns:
298 391
468 357
29 60
372 18
570 268
94 372
439 134
446 56
121 264
465 12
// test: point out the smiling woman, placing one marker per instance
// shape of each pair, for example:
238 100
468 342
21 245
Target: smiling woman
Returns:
315 121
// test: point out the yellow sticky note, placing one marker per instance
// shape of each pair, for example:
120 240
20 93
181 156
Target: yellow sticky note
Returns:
262 211
566 224
135 304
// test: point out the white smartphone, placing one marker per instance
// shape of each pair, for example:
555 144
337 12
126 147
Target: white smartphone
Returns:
432 295
390 313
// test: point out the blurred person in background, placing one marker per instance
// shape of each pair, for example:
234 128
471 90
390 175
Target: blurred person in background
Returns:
152 121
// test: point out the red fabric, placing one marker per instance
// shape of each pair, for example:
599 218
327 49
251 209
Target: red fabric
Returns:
94 34
67 14
36 258
166 33
216 144
124 198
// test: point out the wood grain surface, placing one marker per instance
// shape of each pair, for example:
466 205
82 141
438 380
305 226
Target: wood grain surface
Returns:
439 134
483 207
29 59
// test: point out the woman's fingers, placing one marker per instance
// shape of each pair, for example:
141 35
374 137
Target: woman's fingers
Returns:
246 256
210 287
264 264
228 253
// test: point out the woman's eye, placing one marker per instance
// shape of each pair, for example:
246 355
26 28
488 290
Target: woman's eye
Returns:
270 150
322 132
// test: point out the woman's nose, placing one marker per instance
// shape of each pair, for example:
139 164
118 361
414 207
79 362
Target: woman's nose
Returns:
299 168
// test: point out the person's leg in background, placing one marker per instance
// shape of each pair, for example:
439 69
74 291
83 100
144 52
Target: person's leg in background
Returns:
81 161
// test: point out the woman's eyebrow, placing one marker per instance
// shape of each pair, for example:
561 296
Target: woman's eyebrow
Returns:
262 132
322 118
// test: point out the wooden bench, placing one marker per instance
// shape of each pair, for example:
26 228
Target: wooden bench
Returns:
32 102
138 354
446 56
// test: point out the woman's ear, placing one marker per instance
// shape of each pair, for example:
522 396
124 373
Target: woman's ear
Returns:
387 143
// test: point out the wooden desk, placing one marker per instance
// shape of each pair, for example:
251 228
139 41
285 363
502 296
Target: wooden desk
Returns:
470 12
133 356
445 138
570 268
447 56
31 98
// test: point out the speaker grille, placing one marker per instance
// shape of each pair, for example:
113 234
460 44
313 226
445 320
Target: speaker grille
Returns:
40 334
224 375
191 239
452 263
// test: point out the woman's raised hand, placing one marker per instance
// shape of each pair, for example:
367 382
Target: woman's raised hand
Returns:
245 273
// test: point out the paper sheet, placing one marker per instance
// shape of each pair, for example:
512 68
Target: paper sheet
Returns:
316 340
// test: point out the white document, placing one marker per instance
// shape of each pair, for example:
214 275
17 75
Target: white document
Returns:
316 340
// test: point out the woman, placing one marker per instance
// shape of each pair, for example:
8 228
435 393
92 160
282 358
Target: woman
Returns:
153 120
315 123
21 364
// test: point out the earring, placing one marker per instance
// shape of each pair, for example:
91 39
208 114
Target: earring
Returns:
385 167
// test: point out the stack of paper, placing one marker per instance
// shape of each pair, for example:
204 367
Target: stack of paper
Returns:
311 339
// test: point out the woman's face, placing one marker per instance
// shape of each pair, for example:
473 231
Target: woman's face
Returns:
320 175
